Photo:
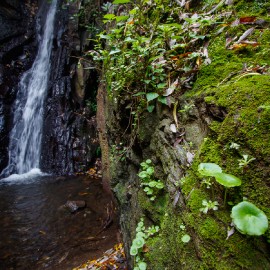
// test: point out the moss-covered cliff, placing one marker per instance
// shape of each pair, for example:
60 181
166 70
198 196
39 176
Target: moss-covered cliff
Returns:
202 69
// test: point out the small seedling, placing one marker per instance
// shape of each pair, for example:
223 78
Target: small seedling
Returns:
245 161
207 182
208 205
182 227
235 146
226 180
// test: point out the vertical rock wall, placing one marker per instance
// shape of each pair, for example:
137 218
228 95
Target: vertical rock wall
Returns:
17 52
69 136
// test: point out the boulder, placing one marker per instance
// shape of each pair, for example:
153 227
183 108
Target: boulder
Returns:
73 206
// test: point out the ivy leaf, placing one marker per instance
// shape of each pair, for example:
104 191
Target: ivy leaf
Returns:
138 94
117 2
114 51
151 96
104 36
109 16
162 100
150 108
121 18
161 85
129 39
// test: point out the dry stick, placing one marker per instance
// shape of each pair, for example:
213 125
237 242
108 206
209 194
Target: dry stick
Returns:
216 7
246 74
227 78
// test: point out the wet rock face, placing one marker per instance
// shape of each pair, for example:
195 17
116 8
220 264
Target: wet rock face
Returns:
69 134
17 51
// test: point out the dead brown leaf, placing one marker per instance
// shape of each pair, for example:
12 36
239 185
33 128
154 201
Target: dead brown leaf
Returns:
247 20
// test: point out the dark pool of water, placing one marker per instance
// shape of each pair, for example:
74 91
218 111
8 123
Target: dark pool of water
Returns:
37 232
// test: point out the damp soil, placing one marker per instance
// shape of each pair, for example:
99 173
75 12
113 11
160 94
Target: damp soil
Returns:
38 232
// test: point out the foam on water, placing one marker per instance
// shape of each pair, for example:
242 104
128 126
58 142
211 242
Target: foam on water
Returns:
25 178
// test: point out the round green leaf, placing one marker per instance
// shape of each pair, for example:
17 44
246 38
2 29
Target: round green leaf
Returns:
143 174
133 251
185 238
138 242
228 180
160 185
142 265
140 235
150 170
249 219
152 184
209 169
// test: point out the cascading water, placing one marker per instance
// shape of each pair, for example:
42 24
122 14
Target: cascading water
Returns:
26 135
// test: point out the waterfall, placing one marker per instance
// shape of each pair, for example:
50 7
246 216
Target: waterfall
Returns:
26 134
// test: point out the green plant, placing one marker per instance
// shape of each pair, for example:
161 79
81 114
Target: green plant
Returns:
151 186
185 237
234 146
187 107
208 205
245 161
226 180
136 249
91 105
106 6
150 54
249 219
207 182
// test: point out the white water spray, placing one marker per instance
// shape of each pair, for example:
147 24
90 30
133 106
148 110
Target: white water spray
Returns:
26 135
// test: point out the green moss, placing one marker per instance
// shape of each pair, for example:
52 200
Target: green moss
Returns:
167 251
195 199
224 85
210 229
154 209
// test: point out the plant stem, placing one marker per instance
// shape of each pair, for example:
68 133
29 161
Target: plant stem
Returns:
225 196
212 192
